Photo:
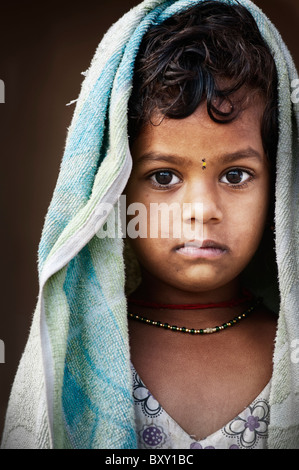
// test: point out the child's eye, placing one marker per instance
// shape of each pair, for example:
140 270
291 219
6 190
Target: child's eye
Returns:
236 176
164 178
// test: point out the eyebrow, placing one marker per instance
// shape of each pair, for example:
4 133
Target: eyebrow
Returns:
178 160
160 157
239 154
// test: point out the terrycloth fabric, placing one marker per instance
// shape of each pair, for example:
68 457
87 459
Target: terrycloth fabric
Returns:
73 388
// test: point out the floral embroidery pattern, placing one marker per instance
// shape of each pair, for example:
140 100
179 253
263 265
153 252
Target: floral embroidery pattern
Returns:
156 429
250 427
153 436
142 396
197 445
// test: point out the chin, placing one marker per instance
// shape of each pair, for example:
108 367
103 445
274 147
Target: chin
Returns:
198 285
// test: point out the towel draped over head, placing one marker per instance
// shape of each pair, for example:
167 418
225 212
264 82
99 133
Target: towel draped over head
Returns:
73 387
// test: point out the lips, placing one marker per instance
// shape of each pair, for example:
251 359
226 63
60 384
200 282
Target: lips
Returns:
202 249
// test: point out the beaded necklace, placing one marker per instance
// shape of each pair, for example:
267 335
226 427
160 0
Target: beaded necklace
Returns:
194 331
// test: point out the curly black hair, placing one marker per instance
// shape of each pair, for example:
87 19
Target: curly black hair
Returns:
206 53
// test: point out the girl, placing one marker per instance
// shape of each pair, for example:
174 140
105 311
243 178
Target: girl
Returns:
203 361
230 123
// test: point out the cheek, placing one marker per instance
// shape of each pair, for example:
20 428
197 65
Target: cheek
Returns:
150 253
248 225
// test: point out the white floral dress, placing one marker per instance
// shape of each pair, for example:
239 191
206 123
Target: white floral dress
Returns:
157 430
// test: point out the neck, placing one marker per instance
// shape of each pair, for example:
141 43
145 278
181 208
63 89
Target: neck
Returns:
156 291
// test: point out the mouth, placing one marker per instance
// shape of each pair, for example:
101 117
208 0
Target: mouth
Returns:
207 249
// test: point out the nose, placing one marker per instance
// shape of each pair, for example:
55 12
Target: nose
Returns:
204 203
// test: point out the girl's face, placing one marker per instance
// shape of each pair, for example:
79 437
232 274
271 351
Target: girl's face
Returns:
221 166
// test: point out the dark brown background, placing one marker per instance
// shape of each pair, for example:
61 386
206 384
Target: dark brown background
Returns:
44 48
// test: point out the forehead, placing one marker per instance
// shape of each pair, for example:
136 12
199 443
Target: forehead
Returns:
199 136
